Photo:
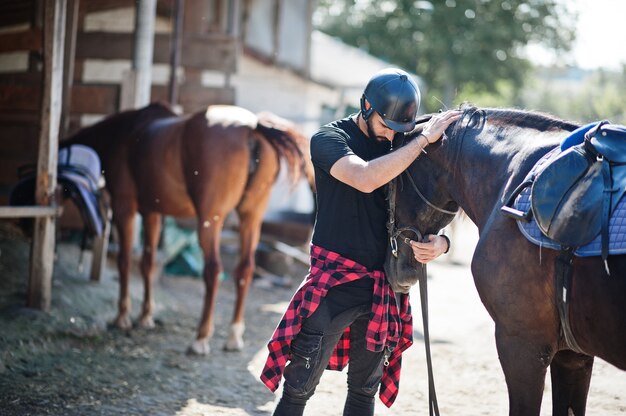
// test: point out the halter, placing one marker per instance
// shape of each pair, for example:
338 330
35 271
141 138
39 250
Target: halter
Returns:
394 232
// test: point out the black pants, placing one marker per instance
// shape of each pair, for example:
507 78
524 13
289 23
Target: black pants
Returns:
311 351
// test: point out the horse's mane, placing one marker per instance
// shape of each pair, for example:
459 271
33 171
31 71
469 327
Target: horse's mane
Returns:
519 118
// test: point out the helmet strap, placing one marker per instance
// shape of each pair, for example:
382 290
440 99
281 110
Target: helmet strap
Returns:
364 112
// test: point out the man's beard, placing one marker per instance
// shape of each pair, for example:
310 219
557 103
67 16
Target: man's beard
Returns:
371 134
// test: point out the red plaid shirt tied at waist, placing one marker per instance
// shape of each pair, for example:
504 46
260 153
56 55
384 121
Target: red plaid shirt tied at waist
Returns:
389 326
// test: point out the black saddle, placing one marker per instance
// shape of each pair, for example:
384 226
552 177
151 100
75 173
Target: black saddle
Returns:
572 198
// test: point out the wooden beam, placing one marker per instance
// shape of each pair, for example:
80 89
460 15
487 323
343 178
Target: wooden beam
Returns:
42 251
68 62
19 97
28 40
106 98
35 60
210 51
195 97
143 48
29 212
12 78
175 50
15 12
195 20
111 45
91 6
95 98
85 98
164 7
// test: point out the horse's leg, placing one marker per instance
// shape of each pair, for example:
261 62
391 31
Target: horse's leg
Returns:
151 233
209 237
124 222
249 234
571 374
524 364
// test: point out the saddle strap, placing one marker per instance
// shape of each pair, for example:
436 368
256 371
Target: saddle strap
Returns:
563 272
606 212
433 406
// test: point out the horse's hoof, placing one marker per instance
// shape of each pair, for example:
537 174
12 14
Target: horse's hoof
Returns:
123 322
233 345
235 338
199 347
146 322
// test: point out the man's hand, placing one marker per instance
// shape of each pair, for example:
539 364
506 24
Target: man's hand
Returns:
428 251
438 124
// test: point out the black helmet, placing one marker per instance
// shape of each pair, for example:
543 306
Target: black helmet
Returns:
395 96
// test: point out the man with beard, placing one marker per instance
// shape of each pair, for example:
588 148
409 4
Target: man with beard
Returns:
345 311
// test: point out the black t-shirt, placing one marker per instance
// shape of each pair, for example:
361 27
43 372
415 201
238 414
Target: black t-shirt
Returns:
349 222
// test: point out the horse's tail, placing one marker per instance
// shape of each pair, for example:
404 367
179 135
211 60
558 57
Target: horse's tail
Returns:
291 145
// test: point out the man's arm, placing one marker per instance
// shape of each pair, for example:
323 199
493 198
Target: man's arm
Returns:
366 176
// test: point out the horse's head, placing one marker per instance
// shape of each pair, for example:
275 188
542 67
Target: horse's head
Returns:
419 204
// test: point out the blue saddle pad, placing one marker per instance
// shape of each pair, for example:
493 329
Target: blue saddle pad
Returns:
617 222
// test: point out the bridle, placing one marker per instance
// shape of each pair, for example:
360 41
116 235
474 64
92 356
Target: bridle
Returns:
395 232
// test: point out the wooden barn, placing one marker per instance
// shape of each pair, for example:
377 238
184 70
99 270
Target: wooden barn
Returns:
68 63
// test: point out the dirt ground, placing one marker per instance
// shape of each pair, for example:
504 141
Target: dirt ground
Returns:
69 362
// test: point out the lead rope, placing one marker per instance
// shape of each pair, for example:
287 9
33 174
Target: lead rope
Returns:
433 407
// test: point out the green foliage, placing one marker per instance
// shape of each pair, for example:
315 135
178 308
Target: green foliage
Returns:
581 96
454 45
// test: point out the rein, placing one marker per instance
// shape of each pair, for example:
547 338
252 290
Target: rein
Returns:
430 204
394 234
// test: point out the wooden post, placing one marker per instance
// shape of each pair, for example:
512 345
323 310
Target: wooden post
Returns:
68 73
276 30
128 90
310 9
175 49
42 250
143 51
232 28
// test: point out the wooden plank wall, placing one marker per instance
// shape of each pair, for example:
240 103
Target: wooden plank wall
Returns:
20 92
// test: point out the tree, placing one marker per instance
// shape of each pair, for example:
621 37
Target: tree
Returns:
579 95
452 44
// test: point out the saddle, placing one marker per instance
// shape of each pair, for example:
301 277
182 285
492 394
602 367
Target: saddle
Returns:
574 195
574 190
80 178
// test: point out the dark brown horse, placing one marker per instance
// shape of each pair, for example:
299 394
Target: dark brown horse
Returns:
205 165
485 156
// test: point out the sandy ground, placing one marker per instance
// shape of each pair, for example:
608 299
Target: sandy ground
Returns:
67 362
468 377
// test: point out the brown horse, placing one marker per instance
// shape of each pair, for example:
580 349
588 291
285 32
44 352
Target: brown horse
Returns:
486 155
204 165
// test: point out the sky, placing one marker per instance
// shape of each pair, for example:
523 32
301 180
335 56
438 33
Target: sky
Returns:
601 35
